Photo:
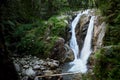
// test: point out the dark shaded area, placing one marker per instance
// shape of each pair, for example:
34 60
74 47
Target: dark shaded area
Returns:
7 69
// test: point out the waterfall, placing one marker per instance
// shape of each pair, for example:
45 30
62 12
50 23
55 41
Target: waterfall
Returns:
86 50
79 64
73 42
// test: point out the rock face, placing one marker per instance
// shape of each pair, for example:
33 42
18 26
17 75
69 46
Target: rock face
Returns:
99 33
69 55
62 52
58 52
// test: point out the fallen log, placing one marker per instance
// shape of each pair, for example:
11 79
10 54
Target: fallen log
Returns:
62 74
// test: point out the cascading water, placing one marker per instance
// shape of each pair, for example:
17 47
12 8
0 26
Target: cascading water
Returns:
86 50
73 42
79 64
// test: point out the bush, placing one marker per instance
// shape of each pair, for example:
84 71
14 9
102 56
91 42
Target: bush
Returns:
38 38
58 26
107 65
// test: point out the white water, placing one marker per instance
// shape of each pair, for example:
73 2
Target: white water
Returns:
73 42
79 64
86 50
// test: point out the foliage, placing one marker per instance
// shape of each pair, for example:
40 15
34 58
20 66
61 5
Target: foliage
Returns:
112 36
58 26
107 61
38 38
107 64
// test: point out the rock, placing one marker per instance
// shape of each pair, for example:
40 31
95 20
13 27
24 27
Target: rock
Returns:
58 52
53 65
25 78
36 67
41 61
42 68
23 62
37 62
99 32
30 72
84 19
77 77
26 66
81 29
30 66
23 72
101 35
69 54
47 73
17 67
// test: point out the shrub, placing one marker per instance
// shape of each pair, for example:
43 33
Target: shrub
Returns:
107 65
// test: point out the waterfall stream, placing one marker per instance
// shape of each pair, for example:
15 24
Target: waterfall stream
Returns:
79 63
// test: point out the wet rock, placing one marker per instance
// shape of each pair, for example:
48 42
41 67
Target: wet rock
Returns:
69 54
81 29
84 19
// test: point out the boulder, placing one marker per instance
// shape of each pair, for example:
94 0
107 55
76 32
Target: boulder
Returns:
69 54
53 65
17 67
58 52
36 67
30 72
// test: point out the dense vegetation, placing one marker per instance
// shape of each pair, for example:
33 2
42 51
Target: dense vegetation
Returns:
28 23
107 64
